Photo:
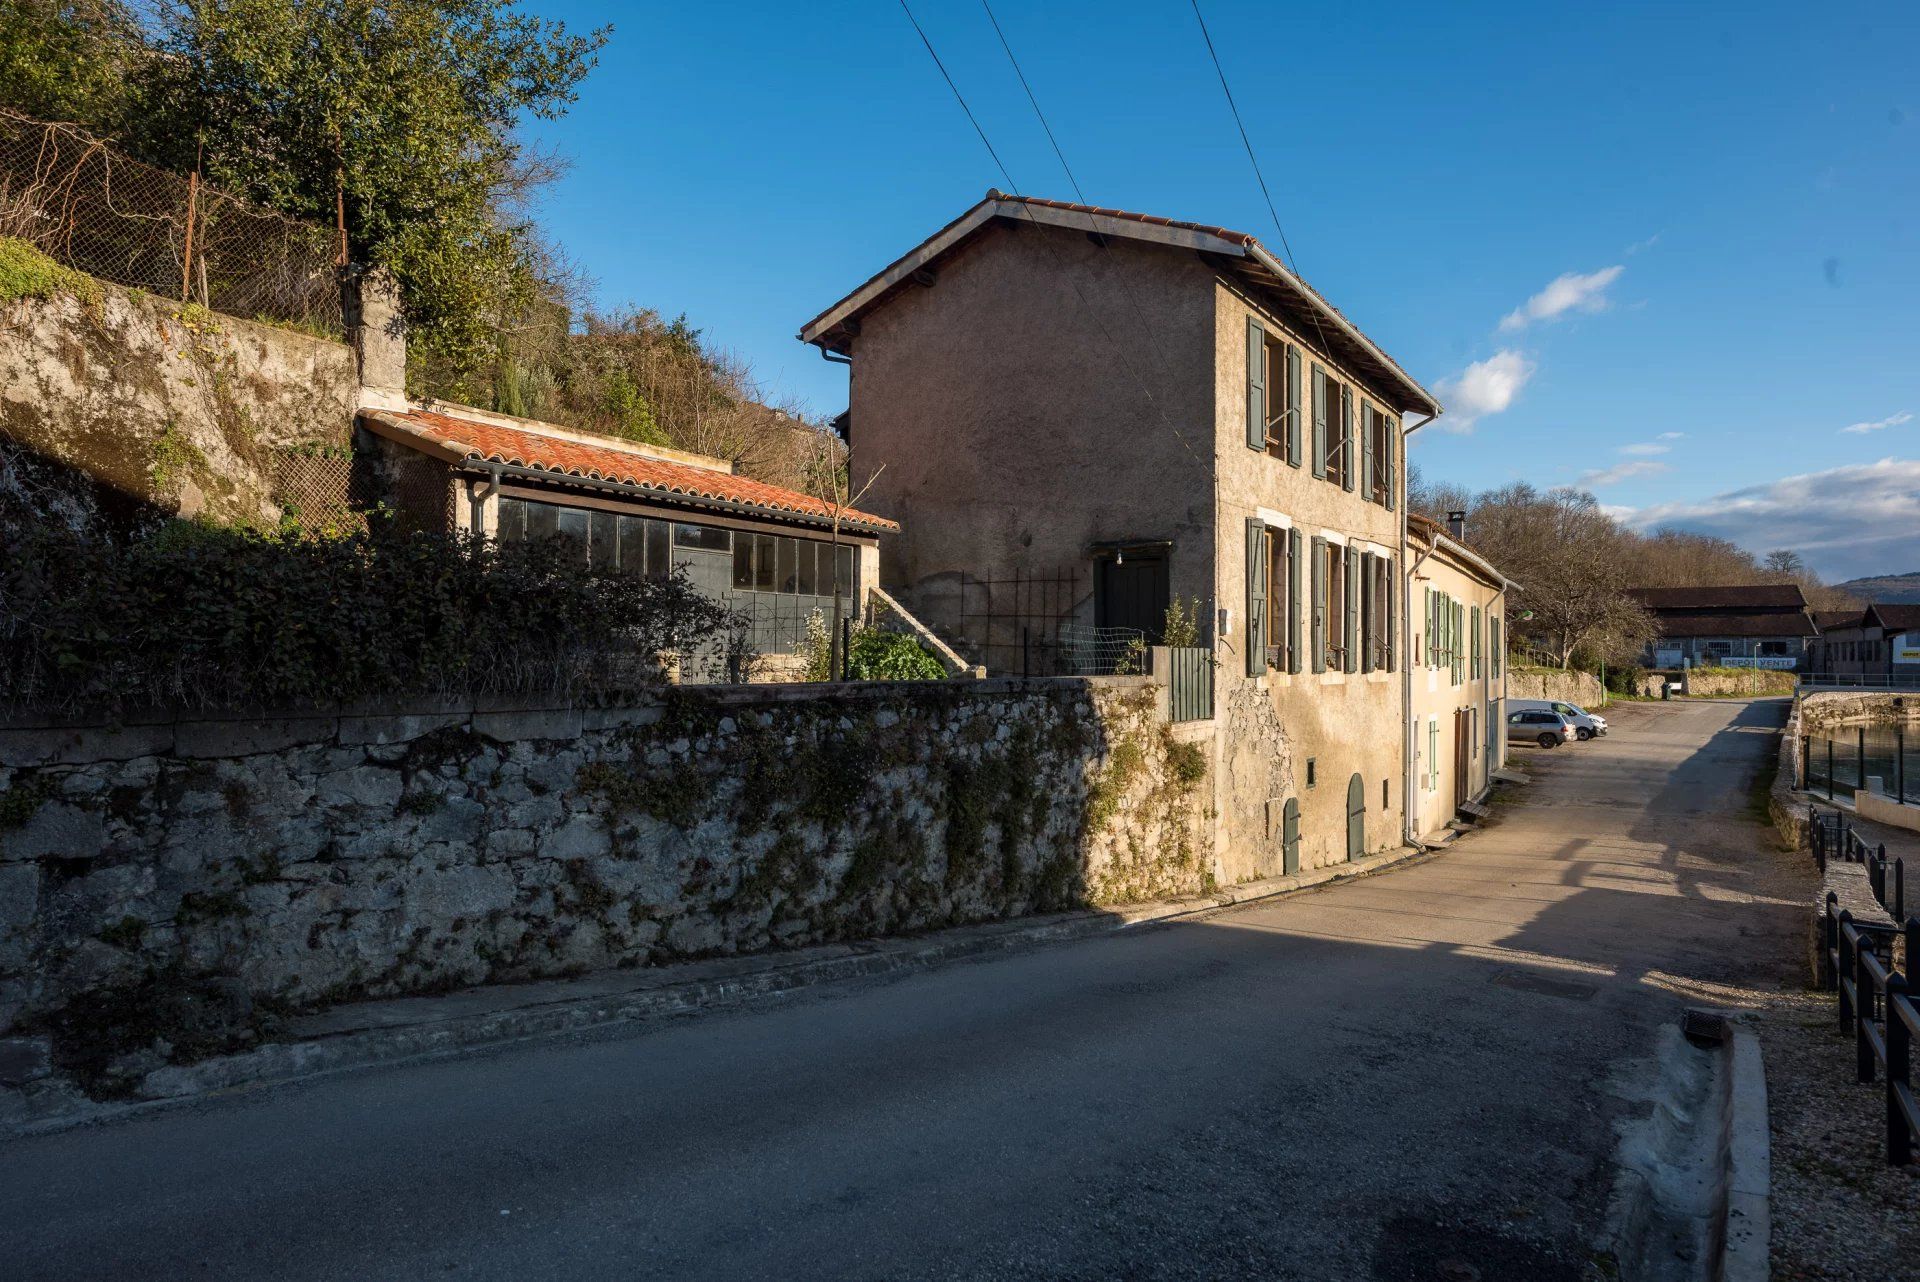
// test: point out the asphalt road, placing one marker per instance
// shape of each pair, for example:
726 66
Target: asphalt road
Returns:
1393 1078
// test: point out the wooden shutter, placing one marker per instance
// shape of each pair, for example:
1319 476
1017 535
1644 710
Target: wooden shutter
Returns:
1350 637
1346 436
1256 385
1390 442
1319 639
1319 421
1368 490
1475 673
1369 628
1293 407
1256 597
1293 599
1393 610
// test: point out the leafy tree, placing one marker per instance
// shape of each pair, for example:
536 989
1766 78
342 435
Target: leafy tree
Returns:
398 115
71 60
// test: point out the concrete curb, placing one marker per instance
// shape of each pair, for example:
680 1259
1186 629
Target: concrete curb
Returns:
1690 1199
1746 1223
680 990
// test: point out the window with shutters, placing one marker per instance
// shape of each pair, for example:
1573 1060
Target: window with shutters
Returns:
1494 647
1333 427
1378 472
1277 627
1278 399
1474 672
1333 610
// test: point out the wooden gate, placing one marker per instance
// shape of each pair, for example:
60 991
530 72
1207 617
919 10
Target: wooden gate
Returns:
1290 837
1356 817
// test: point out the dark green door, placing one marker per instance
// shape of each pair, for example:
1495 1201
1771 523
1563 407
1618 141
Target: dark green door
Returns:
1356 818
1290 837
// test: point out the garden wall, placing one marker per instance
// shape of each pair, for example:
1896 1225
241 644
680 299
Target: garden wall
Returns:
1582 689
1738 681
168 888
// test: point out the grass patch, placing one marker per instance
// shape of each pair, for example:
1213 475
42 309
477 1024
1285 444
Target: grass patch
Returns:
25 272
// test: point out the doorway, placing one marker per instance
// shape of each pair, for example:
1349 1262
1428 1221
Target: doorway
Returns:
1462 756
1130 590
1356 818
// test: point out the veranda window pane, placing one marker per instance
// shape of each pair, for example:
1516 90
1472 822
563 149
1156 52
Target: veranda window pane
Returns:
573 524
513 521
633 545
712 538
809 570
763 562
843 566
602 543
743 564
787 568
659 555
543 520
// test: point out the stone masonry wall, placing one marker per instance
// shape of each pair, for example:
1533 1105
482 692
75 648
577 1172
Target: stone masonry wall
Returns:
1582 689
169 889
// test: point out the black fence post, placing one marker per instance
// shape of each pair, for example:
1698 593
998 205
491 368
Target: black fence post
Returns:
1899 1138
1829 769
1860 759
1829 940
1843 966
1026 652
1862 1013
1900 764
846 647
1806 761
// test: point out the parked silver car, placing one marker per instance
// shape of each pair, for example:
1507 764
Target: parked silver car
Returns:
1538 725
1586 725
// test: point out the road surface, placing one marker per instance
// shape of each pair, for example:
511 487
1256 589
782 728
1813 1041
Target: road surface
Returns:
1392 1078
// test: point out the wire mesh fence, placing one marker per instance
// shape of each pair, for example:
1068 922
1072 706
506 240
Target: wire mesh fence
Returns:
80 202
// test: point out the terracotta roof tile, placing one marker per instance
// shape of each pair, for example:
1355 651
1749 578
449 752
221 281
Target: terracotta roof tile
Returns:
1743 596
526 447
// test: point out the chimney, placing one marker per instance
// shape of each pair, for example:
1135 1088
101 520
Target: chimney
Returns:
1457 526
376 328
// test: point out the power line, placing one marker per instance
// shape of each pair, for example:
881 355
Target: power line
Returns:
1245 141
1071 180
1013 189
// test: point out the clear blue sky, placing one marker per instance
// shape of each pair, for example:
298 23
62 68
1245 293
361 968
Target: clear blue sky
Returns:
1752 171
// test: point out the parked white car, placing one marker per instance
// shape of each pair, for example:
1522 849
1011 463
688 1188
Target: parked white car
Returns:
1586 725
1543 726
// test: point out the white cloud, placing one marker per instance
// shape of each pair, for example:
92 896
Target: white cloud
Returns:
1846 521
1646 448
1879 425
1483 388
1568 292
1618 511
1640 245
1619 472
1672 436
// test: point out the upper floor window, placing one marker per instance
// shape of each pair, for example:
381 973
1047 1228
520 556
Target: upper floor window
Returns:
1378 457
1273 394
1333 446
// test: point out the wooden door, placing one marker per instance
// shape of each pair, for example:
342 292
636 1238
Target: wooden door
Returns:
1290 837
1462 756
1132 593
1356 817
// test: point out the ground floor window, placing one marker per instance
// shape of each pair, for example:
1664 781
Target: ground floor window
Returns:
777 580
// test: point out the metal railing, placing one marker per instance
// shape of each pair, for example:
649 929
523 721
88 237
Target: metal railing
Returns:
1859 681
1876 1007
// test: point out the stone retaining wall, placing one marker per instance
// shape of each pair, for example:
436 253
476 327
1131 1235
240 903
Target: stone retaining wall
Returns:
1582 689
169 888
1710 682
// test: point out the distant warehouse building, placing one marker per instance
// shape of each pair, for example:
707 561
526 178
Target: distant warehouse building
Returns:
1879 642
1752 625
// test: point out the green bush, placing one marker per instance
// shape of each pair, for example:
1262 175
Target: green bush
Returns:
198 616
890 656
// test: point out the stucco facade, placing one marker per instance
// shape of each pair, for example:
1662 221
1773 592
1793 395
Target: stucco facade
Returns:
1457 608
1059 402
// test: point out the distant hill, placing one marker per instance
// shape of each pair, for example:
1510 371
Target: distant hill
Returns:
1890 588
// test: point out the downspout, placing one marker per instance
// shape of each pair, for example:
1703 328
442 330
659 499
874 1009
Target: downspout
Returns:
1409 797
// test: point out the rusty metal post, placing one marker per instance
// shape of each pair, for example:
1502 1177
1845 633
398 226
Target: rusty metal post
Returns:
193 204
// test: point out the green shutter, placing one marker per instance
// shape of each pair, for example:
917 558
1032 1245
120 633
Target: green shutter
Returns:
1256 597
1368 490
1293 405
1293 600
1369 621
1475 671
1390 441
1256 385
1319 574
1350 636
1394 588
1346 436
1319 421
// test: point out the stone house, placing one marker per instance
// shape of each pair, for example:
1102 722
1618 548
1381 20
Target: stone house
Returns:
1083 416
1875 644
771 553
1746 625
1456 608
